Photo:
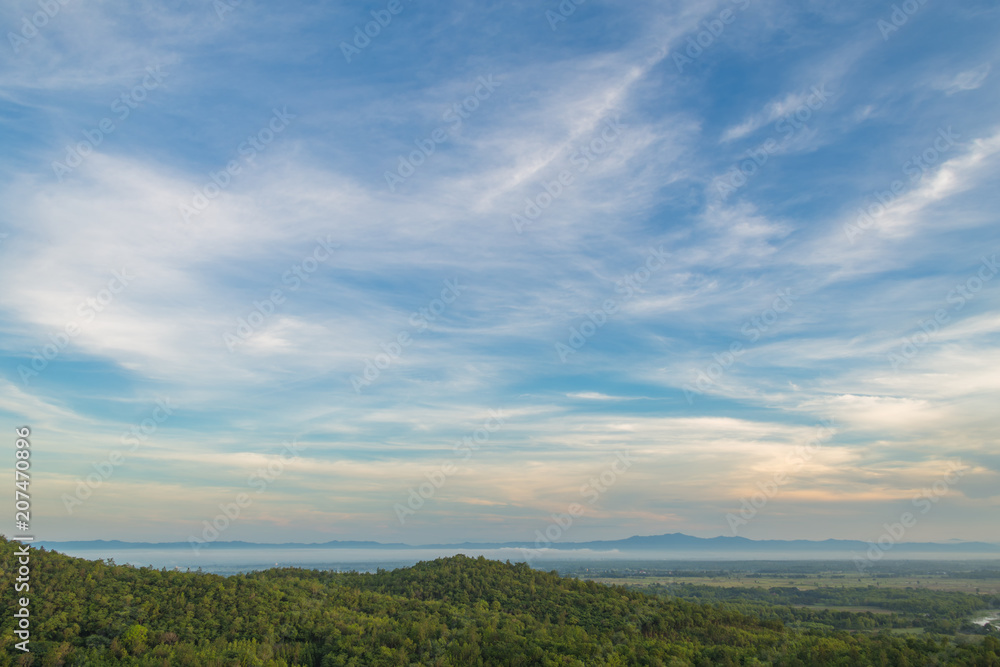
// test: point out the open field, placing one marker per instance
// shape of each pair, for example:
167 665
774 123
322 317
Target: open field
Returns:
811 582
974 577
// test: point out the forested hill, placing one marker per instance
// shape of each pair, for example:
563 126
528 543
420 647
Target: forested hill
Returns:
453 611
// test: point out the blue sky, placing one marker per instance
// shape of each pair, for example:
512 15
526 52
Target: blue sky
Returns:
639 230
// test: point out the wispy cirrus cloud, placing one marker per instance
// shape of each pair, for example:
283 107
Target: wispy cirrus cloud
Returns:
649 185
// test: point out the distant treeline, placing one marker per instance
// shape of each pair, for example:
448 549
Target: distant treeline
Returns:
942 612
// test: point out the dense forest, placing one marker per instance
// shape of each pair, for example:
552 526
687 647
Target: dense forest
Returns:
453 611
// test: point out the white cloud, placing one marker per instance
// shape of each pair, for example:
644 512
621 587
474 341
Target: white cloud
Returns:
772 111
967 80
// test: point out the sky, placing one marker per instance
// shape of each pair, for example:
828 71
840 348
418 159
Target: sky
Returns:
434 272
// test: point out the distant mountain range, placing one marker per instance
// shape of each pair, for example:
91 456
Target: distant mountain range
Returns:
635 544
